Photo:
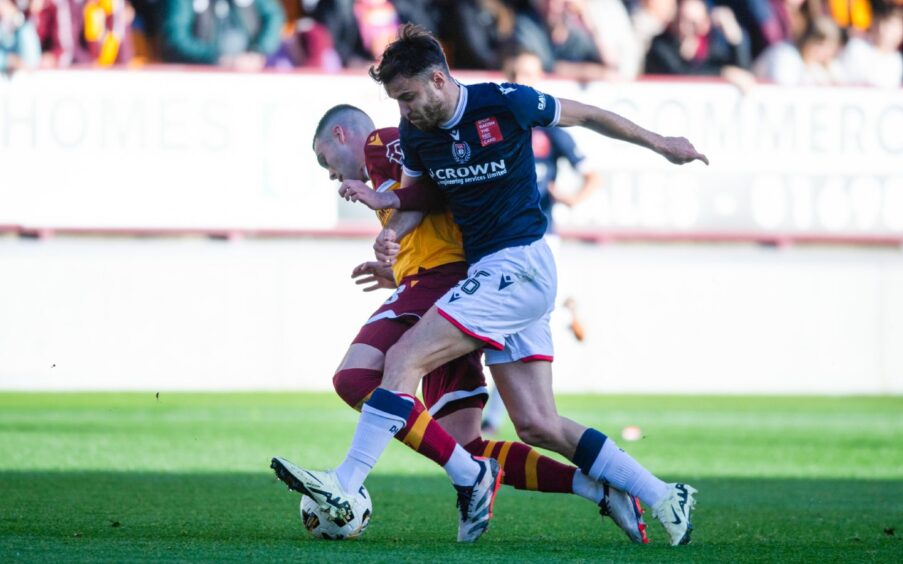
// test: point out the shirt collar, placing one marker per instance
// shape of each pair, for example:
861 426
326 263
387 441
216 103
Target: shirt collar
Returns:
459 109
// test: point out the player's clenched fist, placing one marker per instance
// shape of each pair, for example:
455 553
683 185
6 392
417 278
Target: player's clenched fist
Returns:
357 191
386 247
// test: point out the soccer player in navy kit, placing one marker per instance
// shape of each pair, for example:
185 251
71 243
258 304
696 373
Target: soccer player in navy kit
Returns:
473 143
431 261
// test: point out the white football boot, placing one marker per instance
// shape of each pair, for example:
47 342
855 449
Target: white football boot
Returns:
321 486
625 510
673 511
475 502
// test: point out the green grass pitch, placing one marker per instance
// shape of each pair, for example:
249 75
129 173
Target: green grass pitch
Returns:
126 477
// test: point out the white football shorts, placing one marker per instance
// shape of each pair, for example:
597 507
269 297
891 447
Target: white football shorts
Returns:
505 302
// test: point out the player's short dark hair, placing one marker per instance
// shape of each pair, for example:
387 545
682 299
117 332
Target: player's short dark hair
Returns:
343 111
413 52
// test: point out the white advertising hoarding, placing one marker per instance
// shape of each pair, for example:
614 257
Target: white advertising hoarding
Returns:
207 150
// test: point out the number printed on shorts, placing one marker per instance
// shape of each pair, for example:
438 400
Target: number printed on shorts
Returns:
470 285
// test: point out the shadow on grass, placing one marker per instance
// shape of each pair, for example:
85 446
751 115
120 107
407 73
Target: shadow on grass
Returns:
127 516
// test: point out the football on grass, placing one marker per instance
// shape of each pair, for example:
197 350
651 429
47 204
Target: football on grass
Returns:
319 524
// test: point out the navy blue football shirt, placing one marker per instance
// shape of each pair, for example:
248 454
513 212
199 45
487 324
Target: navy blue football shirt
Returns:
482 159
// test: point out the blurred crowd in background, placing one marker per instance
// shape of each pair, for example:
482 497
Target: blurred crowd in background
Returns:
789 42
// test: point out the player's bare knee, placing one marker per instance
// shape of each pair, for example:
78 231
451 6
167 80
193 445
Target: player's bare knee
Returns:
538 432
364 356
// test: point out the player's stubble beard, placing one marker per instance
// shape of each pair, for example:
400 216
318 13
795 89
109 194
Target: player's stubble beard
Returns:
430 116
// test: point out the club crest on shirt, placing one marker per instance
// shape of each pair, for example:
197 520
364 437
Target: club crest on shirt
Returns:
393 152
460 151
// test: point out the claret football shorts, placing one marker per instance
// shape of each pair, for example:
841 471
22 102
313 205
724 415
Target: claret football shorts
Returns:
458 384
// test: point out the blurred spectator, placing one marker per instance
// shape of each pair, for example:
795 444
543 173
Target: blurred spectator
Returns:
875 59
309 45
853 15
378 23
338 18
19 44
146 29
755 17
477 29
59 24
616 40
787 21
771 21
236 34
562 34
83 31
700 42
650 18
425 13
811 61
107 35
360 29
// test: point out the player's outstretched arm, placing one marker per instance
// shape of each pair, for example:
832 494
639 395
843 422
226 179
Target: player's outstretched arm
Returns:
678 150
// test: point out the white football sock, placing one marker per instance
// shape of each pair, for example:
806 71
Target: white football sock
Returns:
462 468
623 472
587 488
375 429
